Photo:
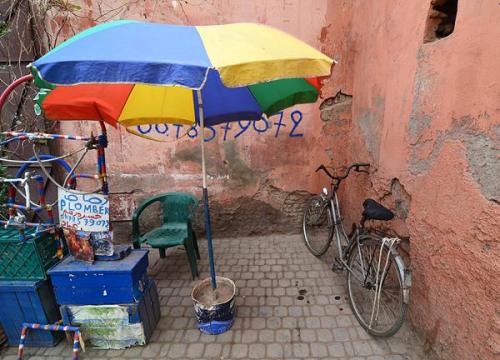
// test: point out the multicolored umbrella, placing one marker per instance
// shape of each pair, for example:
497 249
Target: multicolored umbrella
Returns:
218 72
131 105
134 52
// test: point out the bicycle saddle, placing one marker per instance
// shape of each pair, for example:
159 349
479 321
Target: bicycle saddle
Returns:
375 211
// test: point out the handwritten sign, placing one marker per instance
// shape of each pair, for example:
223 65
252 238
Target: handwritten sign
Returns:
80 211
230 131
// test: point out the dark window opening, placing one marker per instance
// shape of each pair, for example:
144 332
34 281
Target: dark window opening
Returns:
441 19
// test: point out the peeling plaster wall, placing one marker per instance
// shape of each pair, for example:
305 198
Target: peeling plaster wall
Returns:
427 117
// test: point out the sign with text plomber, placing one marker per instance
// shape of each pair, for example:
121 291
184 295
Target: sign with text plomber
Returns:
81 211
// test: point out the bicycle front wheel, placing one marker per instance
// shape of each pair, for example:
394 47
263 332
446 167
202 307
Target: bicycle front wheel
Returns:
381 313
317 225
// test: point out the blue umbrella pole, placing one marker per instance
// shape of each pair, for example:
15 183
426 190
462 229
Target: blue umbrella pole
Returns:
208 226
208 231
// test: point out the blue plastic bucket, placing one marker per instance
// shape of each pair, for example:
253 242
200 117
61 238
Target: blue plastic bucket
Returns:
214 311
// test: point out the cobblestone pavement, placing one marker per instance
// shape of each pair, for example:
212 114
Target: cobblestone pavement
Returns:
290 306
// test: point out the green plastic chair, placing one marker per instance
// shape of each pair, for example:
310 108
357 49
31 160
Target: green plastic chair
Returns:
176 230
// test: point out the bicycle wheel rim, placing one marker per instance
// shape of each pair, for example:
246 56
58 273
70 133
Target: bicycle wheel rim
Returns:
317 226
392 309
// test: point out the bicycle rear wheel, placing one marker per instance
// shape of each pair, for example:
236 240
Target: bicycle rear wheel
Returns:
317 225
387 315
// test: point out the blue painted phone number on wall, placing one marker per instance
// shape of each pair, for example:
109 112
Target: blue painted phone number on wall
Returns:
238 128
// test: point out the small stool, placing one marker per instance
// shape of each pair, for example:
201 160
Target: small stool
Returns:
56 327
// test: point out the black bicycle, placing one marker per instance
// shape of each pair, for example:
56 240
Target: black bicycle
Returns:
378 282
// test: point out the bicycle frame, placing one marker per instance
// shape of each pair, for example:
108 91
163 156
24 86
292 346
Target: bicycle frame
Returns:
98 143
338 224
354 239
339 233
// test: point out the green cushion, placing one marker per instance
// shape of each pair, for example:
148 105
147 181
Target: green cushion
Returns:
167 235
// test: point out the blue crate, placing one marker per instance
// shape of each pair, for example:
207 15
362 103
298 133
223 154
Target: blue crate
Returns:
28 301
100 283
117 326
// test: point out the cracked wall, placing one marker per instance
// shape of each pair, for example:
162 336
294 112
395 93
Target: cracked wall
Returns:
426 116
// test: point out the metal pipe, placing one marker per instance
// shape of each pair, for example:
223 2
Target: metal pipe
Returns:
11 87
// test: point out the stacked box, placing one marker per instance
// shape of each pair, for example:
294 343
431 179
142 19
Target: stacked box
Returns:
101 283
29 259
28 301
116 326
113 302
25 294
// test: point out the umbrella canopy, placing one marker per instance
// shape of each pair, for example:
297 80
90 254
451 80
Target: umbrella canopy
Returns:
198 64
128 51
131 105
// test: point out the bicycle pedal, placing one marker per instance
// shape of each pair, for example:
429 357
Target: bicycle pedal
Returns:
337 266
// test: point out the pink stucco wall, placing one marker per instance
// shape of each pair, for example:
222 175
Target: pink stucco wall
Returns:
248 174
425 116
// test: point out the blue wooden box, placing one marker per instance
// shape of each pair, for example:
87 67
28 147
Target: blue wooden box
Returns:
116 326
103 282
28 301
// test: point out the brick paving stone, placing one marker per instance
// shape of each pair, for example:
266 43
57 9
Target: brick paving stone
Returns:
274 350
132 353
362 348
324 335
313 323
115 353
265 311
301 350
257 351
328 322
379 347
165 348
226 337
249 336
397 346
317 310
343 321
349 348
295 311
319 350
306 335
274 323
191 336
213 350
280 311
336 350
195 350
271 322
341 334
258 323
151 350
283 336
177 350
289 323
239 351
286 300
266 336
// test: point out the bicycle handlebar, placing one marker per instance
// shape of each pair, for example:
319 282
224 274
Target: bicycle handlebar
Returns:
355 166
